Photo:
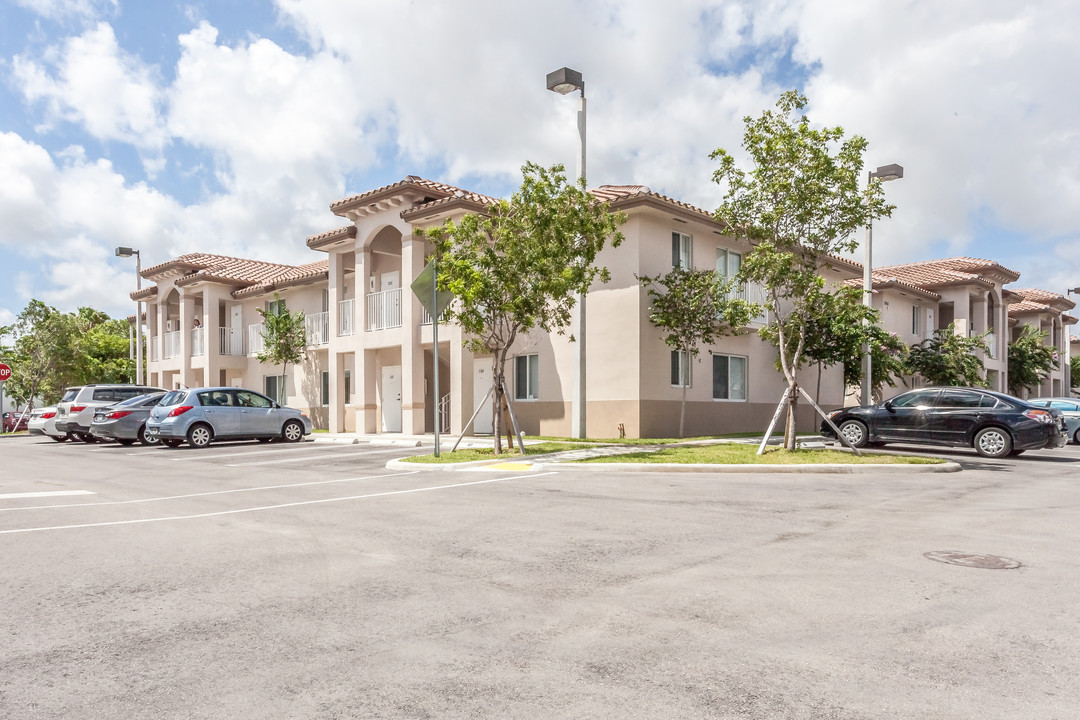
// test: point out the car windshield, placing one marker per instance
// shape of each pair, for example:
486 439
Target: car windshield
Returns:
173 398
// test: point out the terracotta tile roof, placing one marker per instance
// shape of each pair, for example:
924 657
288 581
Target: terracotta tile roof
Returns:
1059 302
251 276
331 236
464 198
295 275
883 281
425 188
950 271
144 293
619 196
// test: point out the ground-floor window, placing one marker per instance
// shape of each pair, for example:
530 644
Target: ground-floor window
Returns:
348 387
526 377
680 368
728 377
326 388
271 383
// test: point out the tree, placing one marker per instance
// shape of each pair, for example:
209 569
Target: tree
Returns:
1030 361
799 205
284 336
1074 373
519 266
695 308
949 359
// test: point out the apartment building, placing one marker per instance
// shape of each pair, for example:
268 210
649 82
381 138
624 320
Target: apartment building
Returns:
916 299
370 364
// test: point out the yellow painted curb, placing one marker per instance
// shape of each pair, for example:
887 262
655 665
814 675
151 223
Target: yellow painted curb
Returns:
510 466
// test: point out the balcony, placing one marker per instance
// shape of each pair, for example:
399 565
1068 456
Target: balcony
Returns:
255 339
317 326
754 293
230 342
346 312
384 309
170 345
198 342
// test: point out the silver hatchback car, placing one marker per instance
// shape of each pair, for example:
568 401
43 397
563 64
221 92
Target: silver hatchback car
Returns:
202 415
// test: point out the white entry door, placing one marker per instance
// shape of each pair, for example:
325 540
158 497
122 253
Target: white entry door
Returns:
236 331
482 425
391 398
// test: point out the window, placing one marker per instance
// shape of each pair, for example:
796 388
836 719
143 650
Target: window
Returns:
270 385
273 307
526 377
962 399
348 387
246 398
728 377
680 250
728 263
917 399
680 368
326 300
326 388
915 320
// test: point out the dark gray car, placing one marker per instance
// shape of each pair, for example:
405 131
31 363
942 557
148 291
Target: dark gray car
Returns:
125 422
1070 409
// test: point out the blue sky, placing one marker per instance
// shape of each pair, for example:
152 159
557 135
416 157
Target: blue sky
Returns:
230 126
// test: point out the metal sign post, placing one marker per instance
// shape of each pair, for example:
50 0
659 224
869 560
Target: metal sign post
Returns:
426 289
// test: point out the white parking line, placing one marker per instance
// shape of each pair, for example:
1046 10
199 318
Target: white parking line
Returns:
203 454
278 461
206 494
275 507
50 493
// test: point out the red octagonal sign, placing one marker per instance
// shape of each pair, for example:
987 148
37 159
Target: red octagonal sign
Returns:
5 372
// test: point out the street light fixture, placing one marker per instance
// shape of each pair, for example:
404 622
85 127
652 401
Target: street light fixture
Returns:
128 252
884 174
564 81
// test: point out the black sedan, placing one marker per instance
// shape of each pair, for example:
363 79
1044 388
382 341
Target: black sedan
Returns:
993 423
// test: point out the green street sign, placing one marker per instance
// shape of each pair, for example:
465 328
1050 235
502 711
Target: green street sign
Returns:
424 289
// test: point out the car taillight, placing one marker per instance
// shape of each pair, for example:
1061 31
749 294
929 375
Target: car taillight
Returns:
76 408
1039 415
117 414
48 416
178 411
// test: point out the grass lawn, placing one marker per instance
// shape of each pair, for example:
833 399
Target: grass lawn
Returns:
473 454
741 454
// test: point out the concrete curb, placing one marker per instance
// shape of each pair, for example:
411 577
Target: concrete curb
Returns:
946 467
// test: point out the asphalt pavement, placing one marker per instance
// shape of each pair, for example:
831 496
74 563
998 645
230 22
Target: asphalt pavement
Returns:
310 581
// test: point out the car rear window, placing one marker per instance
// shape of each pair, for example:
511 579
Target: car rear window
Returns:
176 397
70 394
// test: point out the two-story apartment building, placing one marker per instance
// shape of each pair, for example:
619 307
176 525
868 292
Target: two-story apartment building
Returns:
370 364
1047 312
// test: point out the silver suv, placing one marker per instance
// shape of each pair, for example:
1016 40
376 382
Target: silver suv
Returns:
75 411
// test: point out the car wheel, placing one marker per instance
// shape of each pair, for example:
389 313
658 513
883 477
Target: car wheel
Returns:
59 438
147 439
86 438
171 443
993 442
199 436
293 431
125 441
855 432
1076 437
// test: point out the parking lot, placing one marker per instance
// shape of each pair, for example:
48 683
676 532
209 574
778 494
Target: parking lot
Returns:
308 581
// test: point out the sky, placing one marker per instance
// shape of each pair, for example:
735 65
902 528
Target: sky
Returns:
229 126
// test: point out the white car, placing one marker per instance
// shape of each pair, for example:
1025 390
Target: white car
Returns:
43 422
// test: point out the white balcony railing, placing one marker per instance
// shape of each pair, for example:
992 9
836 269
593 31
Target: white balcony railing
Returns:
230 342
198 342
255 339
346 312
991 342
752 292
317 326
384 309
170 345
444 413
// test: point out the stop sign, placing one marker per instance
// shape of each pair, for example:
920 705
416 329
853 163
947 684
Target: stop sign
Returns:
5 372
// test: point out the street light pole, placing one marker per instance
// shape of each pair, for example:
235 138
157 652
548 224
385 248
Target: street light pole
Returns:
128 252
565 81
884 174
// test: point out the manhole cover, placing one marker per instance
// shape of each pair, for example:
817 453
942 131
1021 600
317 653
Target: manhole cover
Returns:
985 562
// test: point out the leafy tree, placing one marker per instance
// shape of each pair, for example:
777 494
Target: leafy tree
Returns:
800 205
284 336
519 265
1074 373
695 308
1030 361
948 359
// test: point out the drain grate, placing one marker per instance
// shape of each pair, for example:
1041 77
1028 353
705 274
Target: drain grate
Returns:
973 560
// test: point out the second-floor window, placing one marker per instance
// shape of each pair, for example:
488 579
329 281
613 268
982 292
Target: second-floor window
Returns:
681 245
916 328
728 263
273 307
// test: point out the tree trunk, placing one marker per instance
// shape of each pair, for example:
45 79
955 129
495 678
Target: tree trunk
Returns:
496 417
793 405
509 425
682 411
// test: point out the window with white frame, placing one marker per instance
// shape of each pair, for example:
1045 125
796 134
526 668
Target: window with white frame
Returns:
527 377
728 263
728 377
271 383
681 245
273 307
916 326
326 300
680 368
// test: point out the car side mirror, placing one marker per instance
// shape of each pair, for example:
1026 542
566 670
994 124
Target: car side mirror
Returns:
888 405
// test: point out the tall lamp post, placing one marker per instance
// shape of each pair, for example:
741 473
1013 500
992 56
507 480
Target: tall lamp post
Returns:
564 81
128 252
884 174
